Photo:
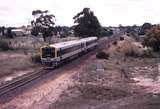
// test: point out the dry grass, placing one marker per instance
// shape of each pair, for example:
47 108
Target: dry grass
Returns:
99 92
112 82
19 58
12 62
129 47
92 85
81 97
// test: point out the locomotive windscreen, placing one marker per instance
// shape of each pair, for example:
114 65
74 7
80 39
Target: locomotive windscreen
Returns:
48 52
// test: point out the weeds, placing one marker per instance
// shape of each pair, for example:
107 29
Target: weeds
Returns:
100 92
114 43
102 55
36 58
121 38
4 45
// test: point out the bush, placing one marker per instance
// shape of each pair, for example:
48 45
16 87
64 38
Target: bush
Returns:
121 38
145 54
102 55
36 58
145 27
4 46
148 53
152 38
128 34
115 43
131 53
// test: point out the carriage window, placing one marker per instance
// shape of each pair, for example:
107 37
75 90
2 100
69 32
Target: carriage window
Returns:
88 43
68 50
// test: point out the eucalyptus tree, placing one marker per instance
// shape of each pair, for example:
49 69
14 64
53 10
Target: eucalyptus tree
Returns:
43 23
87 24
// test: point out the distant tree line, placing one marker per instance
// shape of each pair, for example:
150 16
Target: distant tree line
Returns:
6 32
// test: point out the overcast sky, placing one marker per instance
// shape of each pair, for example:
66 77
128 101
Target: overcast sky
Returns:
109 12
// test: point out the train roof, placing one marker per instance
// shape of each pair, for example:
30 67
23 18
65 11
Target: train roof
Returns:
73 42
88 39
64 44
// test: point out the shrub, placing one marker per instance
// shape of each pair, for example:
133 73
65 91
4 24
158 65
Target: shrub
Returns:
148 53
115 43
36 58
145 27
102 55
144 54
152 38
4 46
128 34
131 53
121 38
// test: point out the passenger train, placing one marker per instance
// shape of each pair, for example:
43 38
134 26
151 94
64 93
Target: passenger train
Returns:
55 54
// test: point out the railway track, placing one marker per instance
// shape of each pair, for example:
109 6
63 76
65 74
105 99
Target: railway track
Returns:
20 81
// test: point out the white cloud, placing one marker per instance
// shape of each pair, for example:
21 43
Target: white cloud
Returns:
109 12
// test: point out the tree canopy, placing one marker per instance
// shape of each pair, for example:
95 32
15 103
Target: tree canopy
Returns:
152 38
43 23
87 24
144 28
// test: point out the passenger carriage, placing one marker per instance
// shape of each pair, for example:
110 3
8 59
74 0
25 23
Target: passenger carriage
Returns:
58 53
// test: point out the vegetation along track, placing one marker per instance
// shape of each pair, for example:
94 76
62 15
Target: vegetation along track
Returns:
20 81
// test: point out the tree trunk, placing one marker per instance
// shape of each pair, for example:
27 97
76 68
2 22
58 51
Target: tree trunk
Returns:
44 38
156 47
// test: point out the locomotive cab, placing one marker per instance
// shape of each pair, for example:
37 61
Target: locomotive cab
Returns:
48 55
48 52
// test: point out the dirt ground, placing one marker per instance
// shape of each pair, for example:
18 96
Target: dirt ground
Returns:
132 83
